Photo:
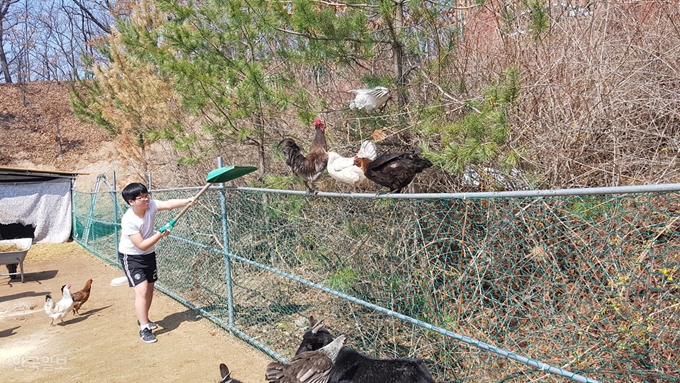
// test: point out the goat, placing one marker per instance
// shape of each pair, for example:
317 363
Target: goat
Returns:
308 367
316 337
354 367
226 375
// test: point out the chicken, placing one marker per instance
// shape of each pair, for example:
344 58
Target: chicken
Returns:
394 170
307 367
309 168
342 169
80 297
370 99
61 308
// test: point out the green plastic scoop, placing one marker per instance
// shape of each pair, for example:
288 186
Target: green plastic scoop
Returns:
216 176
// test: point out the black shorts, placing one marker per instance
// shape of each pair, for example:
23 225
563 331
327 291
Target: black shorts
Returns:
139 268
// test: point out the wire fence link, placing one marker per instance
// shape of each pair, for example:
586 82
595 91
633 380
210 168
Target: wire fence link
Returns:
489 289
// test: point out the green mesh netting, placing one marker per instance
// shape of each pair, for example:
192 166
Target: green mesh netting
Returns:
588 284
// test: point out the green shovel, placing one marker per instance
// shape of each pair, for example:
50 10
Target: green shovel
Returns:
216 176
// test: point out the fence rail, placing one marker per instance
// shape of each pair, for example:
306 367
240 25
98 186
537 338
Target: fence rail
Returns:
493 287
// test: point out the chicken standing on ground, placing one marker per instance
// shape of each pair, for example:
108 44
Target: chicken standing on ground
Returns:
61 308
80 297
394 170
307 367
342 169
309 168
370 99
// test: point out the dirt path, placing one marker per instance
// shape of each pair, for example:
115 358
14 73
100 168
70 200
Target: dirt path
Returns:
102 344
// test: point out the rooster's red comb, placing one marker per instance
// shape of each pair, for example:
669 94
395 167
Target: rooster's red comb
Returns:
318 122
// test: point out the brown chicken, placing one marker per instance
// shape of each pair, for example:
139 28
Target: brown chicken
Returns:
394 170
80 297
310 167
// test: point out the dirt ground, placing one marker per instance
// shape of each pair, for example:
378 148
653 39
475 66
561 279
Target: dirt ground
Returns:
102 344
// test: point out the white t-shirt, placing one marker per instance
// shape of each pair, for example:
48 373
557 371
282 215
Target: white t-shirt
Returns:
131 224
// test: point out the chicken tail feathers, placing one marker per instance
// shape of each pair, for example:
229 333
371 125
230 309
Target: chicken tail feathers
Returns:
49 304
291 150
367 150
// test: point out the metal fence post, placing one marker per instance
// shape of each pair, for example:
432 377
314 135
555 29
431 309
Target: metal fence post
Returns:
225 240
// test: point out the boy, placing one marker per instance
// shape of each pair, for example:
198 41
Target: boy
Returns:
136 249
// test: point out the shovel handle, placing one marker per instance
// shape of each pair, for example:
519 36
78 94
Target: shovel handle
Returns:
171 224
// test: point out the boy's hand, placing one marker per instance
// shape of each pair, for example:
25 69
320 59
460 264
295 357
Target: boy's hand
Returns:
167 227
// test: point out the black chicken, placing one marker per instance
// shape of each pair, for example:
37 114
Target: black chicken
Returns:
394 170
309 168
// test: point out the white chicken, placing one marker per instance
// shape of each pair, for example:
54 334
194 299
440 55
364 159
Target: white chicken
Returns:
63 307
370 99
342 169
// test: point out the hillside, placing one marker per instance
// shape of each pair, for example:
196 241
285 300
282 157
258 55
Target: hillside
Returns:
38 130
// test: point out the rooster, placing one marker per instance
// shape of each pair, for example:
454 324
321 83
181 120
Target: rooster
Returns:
342 169
61 308
394 170
307 367
309 168
370 99
80 297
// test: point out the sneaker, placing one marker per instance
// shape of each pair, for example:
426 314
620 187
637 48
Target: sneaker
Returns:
151 325
147 336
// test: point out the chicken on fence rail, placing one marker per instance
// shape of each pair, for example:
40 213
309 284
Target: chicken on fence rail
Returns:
310 167
394 170
342 169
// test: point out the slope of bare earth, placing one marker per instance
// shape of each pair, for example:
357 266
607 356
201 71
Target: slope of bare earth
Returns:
38 130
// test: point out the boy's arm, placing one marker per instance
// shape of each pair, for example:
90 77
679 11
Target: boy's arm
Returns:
144 244
174 203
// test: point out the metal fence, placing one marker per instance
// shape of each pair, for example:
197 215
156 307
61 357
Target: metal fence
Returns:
485 287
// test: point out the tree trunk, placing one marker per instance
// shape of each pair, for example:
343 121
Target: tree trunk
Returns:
3 59
397 50
4 66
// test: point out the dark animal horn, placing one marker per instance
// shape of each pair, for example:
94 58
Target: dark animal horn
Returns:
318 326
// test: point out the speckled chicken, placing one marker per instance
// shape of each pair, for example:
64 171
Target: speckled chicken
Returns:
310 167
307 367
61 308
394 170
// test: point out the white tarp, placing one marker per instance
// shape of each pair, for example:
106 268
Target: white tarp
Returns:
45 205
